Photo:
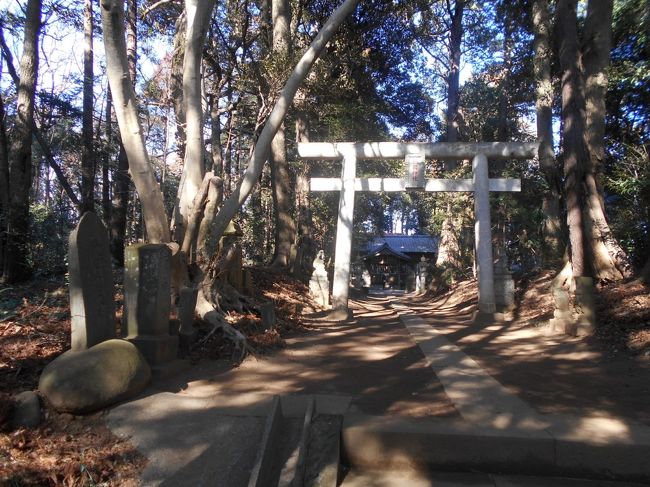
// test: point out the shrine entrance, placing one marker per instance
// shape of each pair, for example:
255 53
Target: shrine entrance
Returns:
414 155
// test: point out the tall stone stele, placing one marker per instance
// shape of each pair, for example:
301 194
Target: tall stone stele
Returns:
147 302
92 305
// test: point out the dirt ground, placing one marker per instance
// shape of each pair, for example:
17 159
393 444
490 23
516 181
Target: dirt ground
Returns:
79 450
606 373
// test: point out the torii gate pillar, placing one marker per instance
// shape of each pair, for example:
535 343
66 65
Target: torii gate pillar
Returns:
344 227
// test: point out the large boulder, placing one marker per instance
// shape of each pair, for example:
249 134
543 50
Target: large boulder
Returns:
88 380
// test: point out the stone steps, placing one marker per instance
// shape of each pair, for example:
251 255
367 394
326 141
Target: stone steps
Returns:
300 446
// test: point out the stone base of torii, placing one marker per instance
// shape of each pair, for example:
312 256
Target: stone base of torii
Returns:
480 185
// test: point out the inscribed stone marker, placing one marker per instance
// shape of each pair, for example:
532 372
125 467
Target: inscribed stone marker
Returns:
92 307
147 301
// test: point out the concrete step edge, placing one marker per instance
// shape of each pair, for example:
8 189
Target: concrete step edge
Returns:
412 443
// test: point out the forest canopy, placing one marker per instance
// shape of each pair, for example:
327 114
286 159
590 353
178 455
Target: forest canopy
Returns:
171 119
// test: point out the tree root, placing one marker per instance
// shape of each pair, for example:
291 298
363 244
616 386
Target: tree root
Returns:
210 314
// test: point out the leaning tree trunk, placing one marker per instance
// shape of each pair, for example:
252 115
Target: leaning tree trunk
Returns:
285 227
88 152
263 144
552 228
609 260
125 102
16 266
122 180
198 14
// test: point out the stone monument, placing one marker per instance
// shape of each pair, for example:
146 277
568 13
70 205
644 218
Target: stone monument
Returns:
147 274
504 284
319 284
92 308
187 334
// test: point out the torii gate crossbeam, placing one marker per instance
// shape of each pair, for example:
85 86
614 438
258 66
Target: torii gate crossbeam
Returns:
480 184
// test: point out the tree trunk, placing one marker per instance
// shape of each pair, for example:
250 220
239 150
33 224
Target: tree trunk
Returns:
263 144
449 246
88 151
198 14
281 179
176 86
610 261
119 79
16 266
574 150
122 180
215 137
552 228
106 182
305 252
4 184
453 82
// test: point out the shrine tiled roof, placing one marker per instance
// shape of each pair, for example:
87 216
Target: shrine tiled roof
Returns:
404 244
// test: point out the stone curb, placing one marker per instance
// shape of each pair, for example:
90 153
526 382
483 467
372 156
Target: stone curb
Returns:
264 462
408 443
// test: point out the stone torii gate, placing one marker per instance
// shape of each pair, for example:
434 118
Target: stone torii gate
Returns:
414 154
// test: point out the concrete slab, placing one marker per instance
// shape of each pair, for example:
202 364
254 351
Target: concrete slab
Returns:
183 439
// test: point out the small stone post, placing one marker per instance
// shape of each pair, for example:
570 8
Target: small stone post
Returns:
562 318
483 238
504 284
421 277
147 304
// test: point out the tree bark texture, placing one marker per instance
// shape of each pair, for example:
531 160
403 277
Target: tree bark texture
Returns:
198 14
261 149
552 228
141 171
285 226
16 266
88 152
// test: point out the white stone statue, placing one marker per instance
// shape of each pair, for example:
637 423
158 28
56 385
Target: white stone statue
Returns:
319 283
365 277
